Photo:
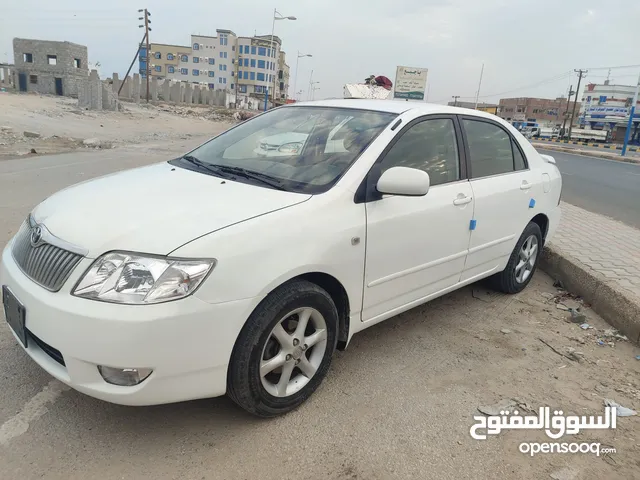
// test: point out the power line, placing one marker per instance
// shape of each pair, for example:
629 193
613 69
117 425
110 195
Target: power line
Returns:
619 67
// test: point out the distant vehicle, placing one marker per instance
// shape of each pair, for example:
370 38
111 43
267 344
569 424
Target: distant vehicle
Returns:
225 272
589 135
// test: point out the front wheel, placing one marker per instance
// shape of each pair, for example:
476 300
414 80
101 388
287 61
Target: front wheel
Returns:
284 350
522 262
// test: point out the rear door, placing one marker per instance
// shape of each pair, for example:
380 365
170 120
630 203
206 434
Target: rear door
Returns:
504 189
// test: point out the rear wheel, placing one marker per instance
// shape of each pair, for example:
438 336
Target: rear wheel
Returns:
522 262
284 350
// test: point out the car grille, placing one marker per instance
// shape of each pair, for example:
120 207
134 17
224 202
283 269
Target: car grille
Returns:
266 146
47 265
48 349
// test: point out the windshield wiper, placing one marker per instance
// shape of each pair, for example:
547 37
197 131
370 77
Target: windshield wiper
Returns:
250 174
204 165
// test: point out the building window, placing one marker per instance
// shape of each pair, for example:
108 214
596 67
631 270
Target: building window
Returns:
52 60
232 73
33 79
242 88
76 62
223 68
211 73
253 50
212 86
246 49
196 59
184 58
196 46
232 86
281 85
219 79
239 73
252 76
262 51
253 63
27 57
158 68
260 77
246 62
261 64
233 48
170 69
157 55
246 75
258 89
224 80
195 71
169 56
184 71
212 61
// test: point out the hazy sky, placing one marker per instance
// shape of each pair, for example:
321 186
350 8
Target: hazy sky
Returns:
523 43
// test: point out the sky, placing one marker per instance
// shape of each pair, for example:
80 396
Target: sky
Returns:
528 47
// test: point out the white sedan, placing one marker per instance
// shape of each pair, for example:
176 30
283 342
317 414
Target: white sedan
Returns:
223 271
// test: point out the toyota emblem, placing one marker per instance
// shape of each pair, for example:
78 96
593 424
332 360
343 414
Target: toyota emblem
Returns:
36 236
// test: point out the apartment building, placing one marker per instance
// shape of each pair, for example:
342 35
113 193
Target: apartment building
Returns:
606 107
483 107
533 112
226 61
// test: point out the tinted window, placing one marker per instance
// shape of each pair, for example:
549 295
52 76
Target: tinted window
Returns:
489 148
430 146
518 159
292 146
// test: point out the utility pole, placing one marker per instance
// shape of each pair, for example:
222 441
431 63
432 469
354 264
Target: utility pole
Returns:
238 60
566 110
632 111
147 29
132 62
479 85
581 73
455 100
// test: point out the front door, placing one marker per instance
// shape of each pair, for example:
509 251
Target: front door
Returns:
59 86
503 188
22 82
416 246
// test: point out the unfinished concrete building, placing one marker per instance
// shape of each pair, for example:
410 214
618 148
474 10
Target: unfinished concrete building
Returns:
49 67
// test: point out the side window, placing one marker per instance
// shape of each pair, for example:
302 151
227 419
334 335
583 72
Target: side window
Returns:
518 159
490 149
430 146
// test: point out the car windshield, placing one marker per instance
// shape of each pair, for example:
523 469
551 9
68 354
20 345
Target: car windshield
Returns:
272 150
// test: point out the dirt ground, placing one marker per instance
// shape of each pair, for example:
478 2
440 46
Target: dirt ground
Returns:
61 126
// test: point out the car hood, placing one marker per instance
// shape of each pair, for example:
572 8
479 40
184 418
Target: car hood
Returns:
282 138
154 209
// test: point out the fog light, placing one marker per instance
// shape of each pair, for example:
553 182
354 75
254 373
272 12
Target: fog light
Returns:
125 377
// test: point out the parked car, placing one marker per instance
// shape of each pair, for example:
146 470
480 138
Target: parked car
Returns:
242 274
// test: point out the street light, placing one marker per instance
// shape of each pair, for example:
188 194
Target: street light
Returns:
313 88
276 16
295 78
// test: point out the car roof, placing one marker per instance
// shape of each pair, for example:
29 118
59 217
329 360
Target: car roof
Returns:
393 106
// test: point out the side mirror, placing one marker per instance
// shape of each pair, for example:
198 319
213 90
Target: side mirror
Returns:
409 182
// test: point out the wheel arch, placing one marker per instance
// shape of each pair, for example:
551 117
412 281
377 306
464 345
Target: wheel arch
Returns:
543 222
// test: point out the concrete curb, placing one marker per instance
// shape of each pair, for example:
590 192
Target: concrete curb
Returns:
589 153
618 307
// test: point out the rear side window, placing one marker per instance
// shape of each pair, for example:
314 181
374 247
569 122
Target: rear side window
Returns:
491 150
518 160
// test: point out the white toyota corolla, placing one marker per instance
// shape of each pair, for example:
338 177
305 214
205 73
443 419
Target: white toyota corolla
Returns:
224 271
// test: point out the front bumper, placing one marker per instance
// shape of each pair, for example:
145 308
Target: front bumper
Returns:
187 343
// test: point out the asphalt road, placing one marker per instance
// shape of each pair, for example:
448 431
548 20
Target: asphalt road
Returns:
602 186
397 404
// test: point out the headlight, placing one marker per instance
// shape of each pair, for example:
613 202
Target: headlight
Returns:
290 147
135 279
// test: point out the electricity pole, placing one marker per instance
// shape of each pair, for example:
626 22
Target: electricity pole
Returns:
566 110
455 100
479 85
581 73
147 29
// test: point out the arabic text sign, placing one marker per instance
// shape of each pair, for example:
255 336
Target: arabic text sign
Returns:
410 83
554 426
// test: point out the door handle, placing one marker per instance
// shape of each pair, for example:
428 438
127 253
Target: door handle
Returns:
525 185
462 200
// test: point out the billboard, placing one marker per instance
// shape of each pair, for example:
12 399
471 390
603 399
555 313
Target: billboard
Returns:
410 83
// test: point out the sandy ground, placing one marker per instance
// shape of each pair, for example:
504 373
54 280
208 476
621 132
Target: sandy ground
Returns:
398 404
62 126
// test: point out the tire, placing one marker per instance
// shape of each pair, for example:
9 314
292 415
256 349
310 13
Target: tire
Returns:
511 279
264 395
